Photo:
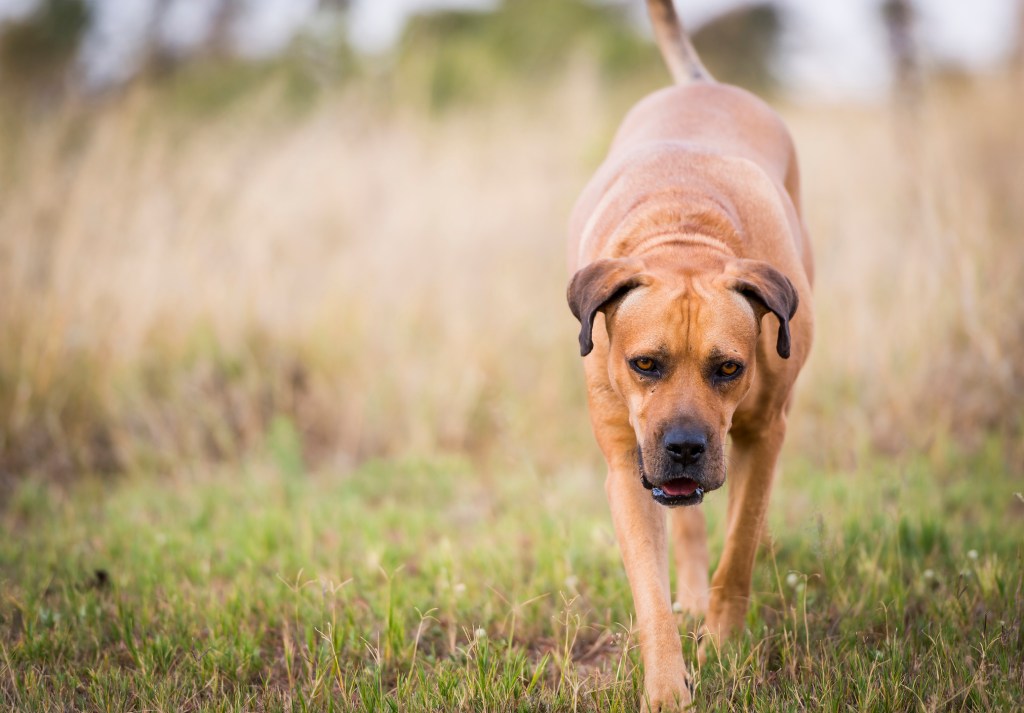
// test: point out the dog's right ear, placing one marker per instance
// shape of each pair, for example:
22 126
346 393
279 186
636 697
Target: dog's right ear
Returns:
596 287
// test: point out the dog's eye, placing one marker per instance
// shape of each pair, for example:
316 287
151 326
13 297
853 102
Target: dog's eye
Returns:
729 368
644 364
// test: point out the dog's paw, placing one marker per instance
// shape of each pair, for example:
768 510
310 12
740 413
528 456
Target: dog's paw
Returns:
722 624
707 644
694 606
668 695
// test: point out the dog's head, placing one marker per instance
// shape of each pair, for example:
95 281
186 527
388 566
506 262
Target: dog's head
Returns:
682 348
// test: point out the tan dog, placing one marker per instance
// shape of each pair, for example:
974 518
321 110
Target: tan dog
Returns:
686 237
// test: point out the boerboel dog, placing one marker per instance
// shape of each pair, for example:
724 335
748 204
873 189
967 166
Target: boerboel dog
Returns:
689 260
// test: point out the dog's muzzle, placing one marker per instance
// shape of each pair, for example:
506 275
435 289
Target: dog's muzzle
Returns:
674 492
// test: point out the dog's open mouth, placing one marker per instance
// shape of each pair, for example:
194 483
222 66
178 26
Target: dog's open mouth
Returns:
675 492
678 491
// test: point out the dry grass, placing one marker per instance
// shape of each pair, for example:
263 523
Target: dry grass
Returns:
392 282
916 217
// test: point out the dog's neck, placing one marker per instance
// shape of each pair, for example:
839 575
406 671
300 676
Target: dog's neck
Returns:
674 221
674 240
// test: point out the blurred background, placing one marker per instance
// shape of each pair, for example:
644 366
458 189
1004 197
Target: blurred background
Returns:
323 231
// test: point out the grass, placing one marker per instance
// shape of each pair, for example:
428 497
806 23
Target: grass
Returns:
433 585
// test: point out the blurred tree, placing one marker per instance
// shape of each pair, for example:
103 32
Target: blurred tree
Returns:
162 58
37 51
456 55
217 40
740 46
900 18
1018 50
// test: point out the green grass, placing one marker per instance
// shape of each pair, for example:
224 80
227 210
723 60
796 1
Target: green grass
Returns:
438 585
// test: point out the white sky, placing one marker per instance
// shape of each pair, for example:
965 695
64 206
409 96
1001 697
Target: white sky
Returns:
831 47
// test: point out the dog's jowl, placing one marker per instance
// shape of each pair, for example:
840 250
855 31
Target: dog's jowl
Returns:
691 278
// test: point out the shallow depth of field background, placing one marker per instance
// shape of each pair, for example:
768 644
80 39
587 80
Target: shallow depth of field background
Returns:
329 289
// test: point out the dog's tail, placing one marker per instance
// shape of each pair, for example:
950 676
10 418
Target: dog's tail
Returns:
680 56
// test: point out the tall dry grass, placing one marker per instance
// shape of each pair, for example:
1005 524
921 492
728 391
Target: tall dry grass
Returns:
389 280
917 214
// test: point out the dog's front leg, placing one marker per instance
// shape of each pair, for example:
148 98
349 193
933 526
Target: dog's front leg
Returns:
752 472
640 528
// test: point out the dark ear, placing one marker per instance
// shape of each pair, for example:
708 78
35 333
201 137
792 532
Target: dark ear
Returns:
768 291
597 285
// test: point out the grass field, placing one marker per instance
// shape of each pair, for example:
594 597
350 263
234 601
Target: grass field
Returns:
292 415
429 585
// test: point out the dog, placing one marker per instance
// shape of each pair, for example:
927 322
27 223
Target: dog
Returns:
691 278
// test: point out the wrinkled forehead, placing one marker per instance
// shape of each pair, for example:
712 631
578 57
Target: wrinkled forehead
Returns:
688 316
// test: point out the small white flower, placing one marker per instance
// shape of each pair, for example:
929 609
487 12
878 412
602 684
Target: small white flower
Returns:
928 574
480 633
965 573
800 586
571 581
792 579
677 607
459 588
972 554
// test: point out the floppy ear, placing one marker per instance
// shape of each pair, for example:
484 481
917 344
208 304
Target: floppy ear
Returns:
768 290
598 284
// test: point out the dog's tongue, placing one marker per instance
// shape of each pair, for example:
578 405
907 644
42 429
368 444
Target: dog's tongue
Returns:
679 487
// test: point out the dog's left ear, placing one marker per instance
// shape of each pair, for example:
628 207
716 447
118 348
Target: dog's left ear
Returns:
596 287
768 290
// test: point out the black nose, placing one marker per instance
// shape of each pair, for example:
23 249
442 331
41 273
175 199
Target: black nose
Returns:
684 445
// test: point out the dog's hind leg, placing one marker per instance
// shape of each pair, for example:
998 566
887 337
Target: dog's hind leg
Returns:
690 551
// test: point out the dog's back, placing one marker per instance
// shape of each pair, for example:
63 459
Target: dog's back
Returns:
711 118
701 138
